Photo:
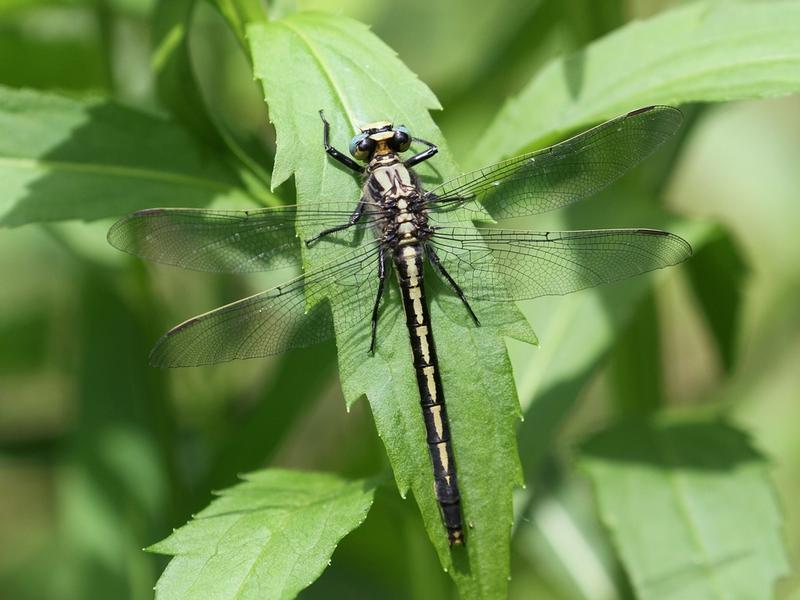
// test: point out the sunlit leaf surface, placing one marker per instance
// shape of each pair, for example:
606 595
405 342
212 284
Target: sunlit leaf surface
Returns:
70 159
689 507
703 52
268 537
310 62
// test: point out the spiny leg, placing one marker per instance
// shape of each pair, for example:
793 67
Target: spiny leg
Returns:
381 286
424 155
431 253
339 156
354 218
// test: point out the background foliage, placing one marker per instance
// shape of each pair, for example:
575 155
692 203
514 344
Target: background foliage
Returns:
659 413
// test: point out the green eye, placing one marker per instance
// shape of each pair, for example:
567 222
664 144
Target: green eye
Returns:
354 143
362 146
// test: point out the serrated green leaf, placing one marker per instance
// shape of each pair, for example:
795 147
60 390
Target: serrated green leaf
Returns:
62 158
268 537
309 62
689 507
703 52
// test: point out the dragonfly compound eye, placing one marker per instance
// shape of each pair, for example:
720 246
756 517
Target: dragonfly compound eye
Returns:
362 146
401 140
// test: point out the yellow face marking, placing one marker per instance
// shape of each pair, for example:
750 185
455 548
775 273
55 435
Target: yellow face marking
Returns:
436 411
442 448
382 136
376 125
402 204
422 334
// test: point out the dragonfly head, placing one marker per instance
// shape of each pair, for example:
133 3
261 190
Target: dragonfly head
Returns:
379 138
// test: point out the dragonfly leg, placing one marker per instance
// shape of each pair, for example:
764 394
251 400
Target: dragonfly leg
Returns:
381 286
338 155
429 251
354 218
424 155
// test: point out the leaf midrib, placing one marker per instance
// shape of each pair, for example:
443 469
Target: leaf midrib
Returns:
123 172
338 93
680 490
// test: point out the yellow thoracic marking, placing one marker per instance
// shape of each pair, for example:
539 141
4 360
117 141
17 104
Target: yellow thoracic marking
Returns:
429 379
442 448
436 411
383 178
422 334
409 252
402 204
392 178
403 174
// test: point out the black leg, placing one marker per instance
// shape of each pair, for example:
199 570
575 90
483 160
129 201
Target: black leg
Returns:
354 218
440 267
340 156
424 155
381 286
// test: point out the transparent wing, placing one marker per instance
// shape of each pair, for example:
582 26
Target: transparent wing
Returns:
233 241
561 174
276 320
504 265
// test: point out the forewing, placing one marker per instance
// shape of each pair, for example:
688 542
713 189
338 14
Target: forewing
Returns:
504 265
225 241
276 320
559 175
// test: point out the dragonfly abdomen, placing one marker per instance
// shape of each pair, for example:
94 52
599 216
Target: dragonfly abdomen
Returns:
409 265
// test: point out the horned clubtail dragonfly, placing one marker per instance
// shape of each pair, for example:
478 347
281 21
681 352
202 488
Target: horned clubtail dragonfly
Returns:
398 223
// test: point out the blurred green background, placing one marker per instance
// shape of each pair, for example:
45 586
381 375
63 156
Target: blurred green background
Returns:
101 455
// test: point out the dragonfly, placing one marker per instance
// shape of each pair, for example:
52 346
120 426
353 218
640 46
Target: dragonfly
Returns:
398 225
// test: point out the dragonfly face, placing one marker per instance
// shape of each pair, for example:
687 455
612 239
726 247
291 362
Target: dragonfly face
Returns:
379 139
404 226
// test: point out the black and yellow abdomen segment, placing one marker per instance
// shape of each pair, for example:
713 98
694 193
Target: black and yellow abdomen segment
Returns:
408 262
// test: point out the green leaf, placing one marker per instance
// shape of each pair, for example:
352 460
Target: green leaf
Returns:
112 482
717 274
175 81
578 333
239 13
62 158
309 62
689 507
268 537
636 362
180 92
703 52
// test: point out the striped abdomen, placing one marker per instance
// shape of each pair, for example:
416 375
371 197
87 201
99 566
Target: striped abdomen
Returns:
408 261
